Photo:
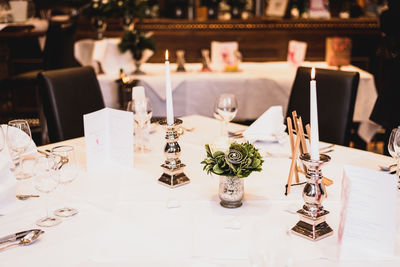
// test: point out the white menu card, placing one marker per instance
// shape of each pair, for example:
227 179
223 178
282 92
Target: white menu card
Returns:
109 139
367 227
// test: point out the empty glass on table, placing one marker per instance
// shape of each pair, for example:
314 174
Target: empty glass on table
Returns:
68 169
226 107
45 181
18 140
142 112
394 148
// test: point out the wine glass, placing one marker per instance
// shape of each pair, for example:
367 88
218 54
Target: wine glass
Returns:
2 138
45 181
18 140
226 107
142 112
394 147
67 166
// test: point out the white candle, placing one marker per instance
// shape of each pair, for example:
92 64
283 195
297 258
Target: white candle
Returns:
314 139
168 94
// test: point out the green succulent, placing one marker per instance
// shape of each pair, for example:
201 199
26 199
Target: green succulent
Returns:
136 41
241 161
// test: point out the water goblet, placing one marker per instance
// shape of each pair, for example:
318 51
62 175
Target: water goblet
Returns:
226 107
18 140
142 112
67 167
46 181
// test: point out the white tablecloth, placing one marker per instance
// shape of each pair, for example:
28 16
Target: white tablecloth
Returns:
257 86
124 219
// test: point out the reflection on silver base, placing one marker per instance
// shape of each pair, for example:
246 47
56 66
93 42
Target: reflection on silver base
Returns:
312 228
312 223
173 175
174 180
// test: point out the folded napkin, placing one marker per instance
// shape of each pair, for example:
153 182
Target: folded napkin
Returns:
268 127
8 184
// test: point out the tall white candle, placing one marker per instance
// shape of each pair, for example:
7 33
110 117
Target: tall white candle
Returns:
314 139
168 93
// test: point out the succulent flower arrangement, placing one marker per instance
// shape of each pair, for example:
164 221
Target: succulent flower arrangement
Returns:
240 161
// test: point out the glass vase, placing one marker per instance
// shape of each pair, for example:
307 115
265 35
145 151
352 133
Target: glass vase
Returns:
231 191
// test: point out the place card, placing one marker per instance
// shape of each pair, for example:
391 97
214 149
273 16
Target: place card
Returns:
224 56
296 52
367 227
109 139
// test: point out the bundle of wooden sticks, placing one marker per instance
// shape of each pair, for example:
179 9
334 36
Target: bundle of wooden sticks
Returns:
298 145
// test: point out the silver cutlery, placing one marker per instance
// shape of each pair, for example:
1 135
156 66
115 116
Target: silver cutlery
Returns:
28 238
19 235
25 197
387 168
327 147
188 129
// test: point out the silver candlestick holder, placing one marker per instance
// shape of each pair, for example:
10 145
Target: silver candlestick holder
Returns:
312 224
173 175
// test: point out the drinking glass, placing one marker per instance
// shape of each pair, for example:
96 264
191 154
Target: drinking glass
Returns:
18 140
2 138
45 181
142 112
226 107
67 167
394 148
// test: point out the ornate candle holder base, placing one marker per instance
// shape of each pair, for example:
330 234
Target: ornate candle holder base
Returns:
312 224
173 175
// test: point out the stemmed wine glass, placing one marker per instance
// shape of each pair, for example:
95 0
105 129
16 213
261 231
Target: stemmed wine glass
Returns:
18 140
226 107
45 181
142 112
67 166
394 147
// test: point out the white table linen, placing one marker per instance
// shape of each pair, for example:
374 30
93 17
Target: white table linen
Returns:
124 218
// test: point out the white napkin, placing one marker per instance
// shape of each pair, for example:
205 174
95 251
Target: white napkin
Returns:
8 184
138 93
268 127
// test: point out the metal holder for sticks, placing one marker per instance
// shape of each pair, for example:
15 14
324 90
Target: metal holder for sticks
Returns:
173 175
312 224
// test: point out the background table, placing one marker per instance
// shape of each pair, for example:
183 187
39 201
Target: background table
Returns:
257 86
124 219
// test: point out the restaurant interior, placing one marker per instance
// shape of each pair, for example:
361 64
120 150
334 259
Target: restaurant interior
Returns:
287 84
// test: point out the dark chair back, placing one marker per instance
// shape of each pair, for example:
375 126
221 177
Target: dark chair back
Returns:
67 95
336 94
59 47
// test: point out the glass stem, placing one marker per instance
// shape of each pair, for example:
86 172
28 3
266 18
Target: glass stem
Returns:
46 203
141 141
19 167
397 171
224 128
